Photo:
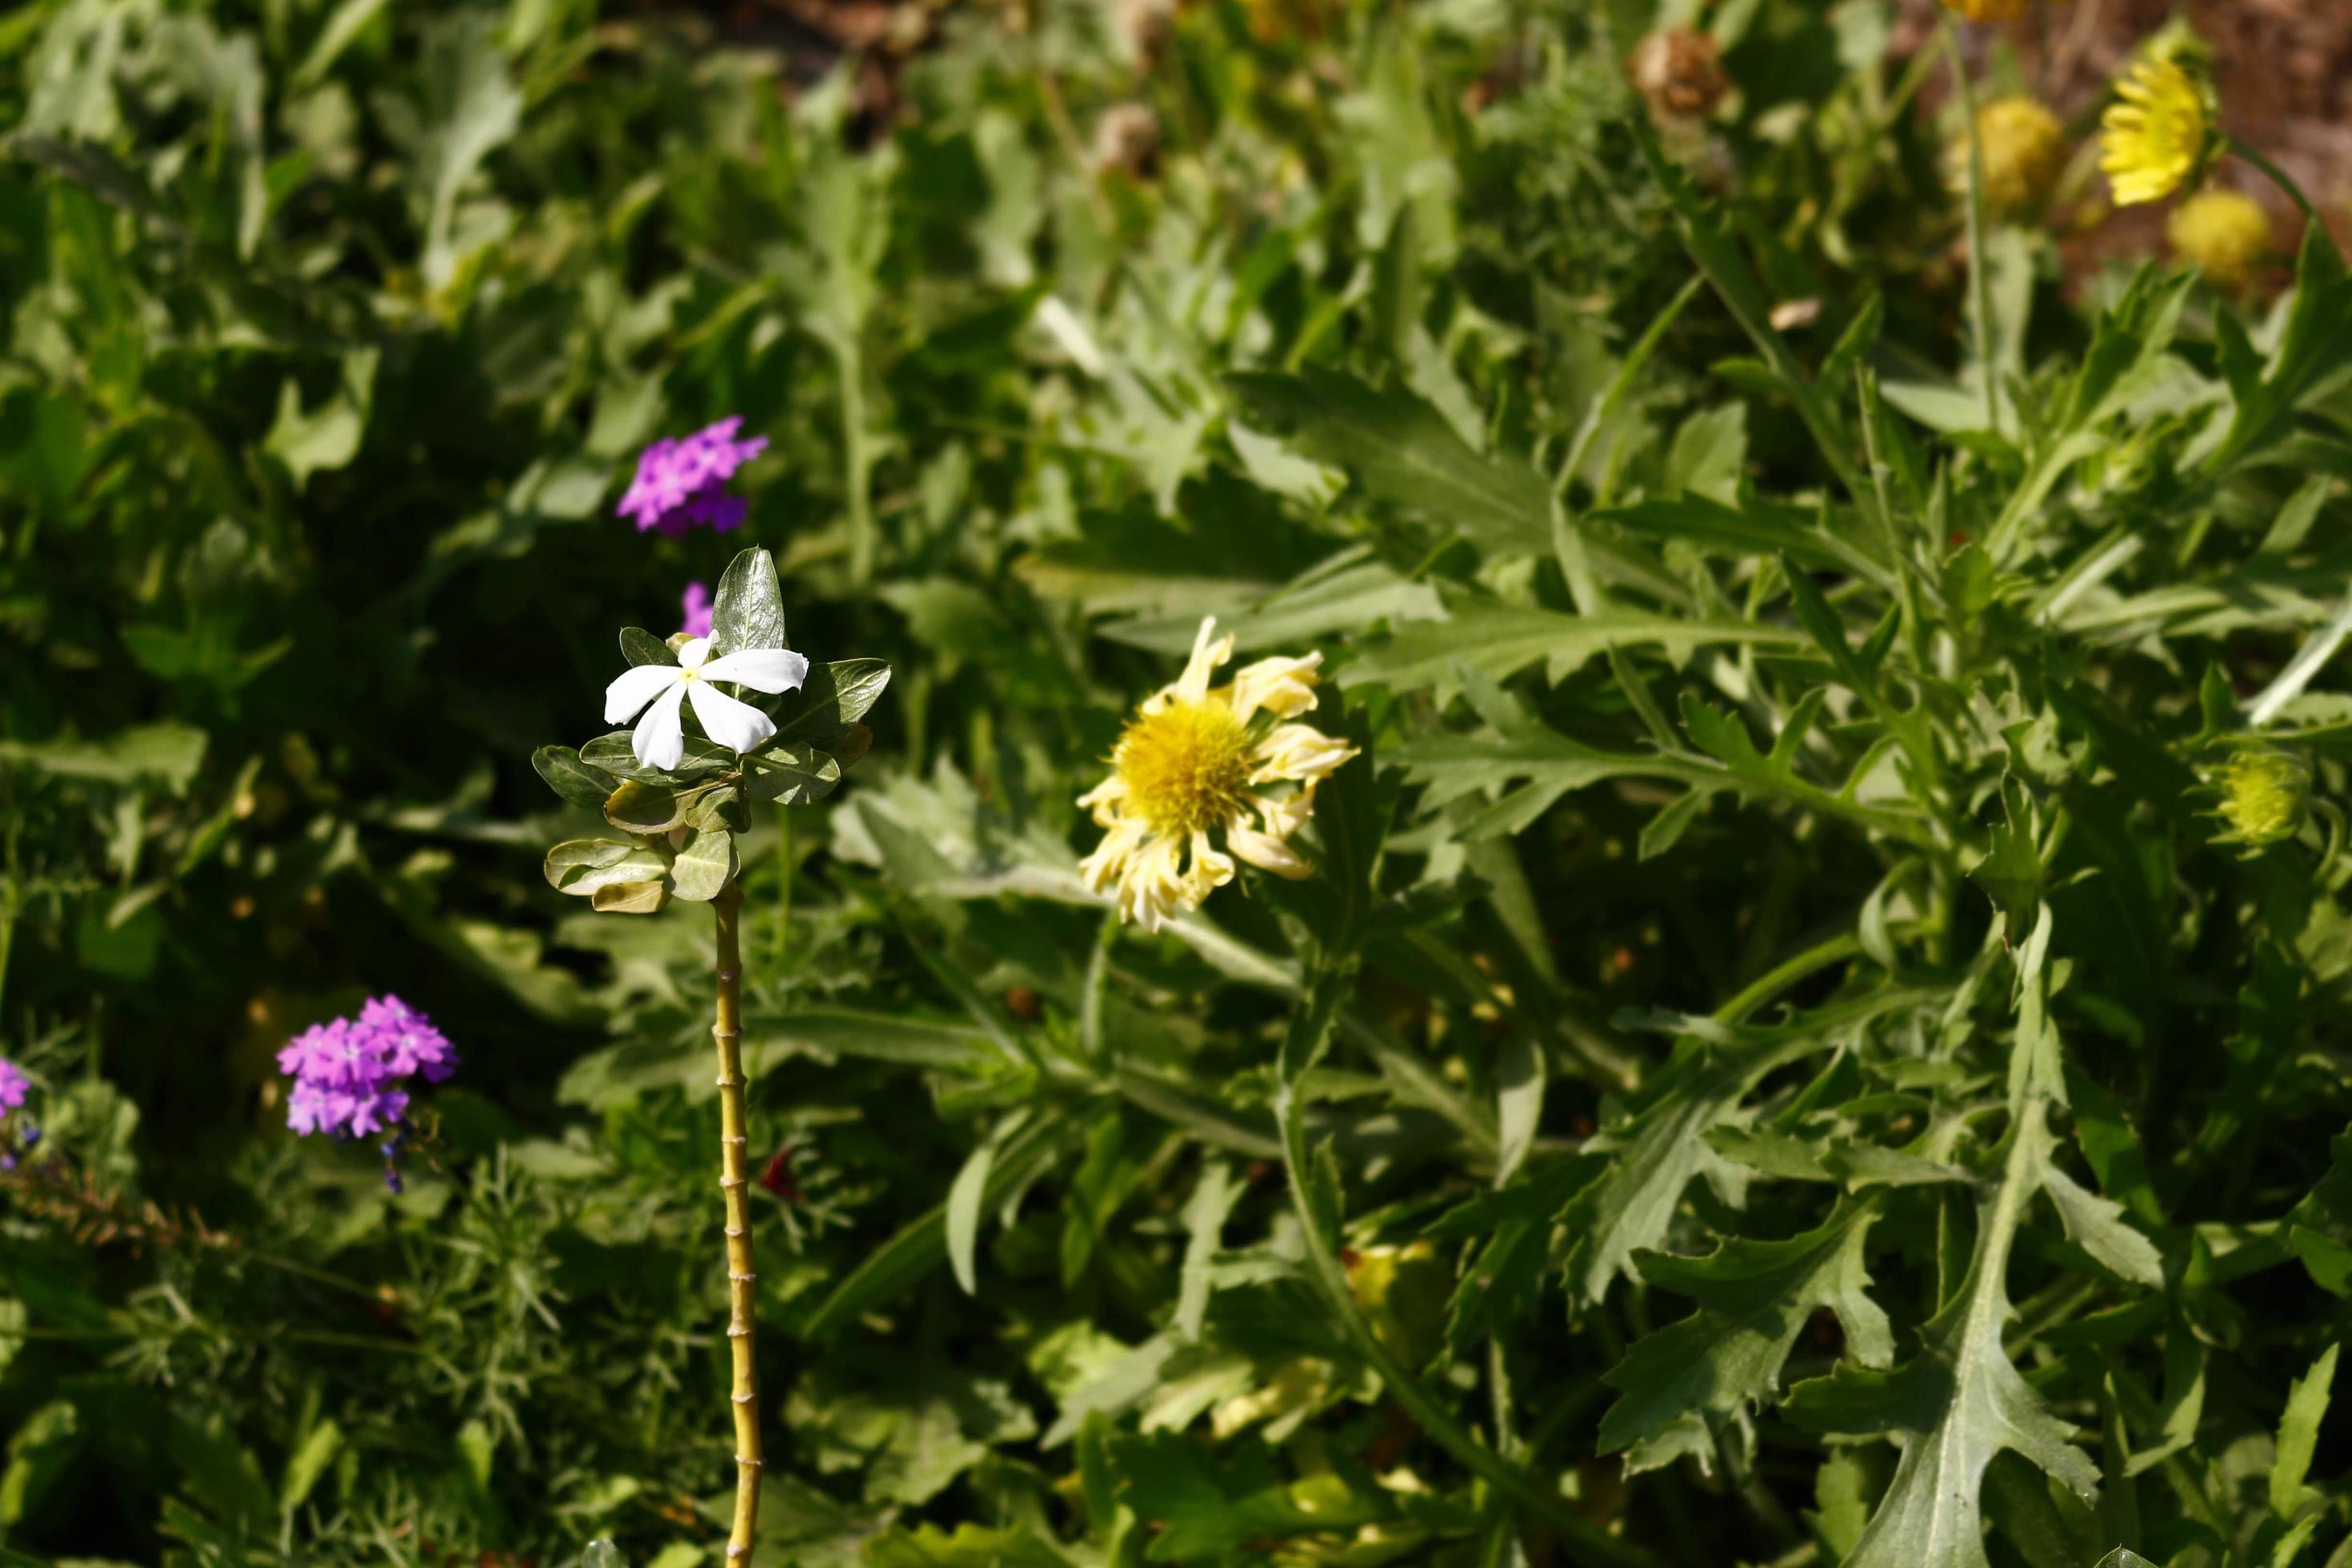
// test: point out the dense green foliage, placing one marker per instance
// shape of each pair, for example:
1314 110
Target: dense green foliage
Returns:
1810 1037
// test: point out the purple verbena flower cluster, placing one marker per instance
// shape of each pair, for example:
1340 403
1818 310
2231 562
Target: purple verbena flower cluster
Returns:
349 1073
13 1087
681 481
695 605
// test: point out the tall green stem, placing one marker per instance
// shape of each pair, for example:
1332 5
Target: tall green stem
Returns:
2278 176
1979 279
727 1029
857 460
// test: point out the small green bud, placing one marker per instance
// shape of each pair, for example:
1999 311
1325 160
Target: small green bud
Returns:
2265 795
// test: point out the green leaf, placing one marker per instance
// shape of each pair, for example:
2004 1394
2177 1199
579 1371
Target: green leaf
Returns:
573 779
2298 1434
639 646
644 809
469 109
963 1207
792 772
1205 1212
166 754
2098 1227
704 864
1205 1510
830 702
328 438
702 759
1958 1403
2010 871
1754 1298
748 609
1404 453
2317 336
1499 640
306 1464
1653 1155
919 1246
970 1546
582 866
629 898
1755 529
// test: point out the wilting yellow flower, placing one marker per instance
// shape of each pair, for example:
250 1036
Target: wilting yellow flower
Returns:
2024 149
1197 762
2159 136
2223 232
1678 71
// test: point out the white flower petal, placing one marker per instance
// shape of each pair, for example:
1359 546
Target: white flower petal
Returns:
660 737
1265 851
692 652
1285 685
633 689
761 668
738 726
1193 684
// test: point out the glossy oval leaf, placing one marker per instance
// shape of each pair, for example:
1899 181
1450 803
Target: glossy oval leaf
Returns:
705 862
580 782
749 611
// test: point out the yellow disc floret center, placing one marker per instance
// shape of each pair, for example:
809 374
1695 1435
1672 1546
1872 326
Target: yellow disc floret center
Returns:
1186 767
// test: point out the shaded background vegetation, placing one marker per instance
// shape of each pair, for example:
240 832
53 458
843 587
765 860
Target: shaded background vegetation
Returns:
331 332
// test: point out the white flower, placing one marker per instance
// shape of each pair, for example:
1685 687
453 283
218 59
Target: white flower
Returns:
660 737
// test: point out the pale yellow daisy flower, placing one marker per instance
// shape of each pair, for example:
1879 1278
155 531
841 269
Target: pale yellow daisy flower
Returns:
2159 136
1198 764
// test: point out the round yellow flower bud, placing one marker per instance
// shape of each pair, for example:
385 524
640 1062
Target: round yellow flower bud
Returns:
2024 150
2222 232
2265 795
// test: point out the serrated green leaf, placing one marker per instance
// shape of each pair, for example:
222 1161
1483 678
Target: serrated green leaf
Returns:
1404 453
1754 1298
1958 1403
1499 640
2010 870
2298 1433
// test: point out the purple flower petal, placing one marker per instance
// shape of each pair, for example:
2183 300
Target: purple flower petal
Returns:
679 481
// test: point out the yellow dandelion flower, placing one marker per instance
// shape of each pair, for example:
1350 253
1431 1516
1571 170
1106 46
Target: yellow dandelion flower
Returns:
2159 136
2024 150
2222 232
1198 763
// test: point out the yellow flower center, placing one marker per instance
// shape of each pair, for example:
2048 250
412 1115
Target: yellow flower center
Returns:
1186 768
